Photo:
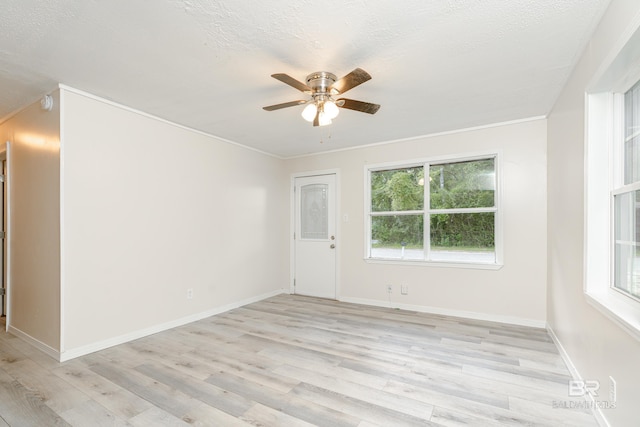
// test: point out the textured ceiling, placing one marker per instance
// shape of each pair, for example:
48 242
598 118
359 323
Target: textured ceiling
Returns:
437 65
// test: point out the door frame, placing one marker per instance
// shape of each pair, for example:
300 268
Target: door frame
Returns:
292 224
5 155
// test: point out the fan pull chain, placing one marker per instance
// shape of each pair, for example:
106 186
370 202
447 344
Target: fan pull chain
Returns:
328 135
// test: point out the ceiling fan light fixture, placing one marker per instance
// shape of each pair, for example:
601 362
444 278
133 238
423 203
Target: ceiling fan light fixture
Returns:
309 112
330 109
323 119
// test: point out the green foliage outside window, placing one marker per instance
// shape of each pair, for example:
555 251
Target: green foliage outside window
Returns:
397 190
462 185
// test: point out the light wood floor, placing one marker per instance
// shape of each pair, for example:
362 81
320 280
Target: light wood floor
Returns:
296 361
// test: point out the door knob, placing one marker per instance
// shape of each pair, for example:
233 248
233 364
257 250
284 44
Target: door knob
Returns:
332 246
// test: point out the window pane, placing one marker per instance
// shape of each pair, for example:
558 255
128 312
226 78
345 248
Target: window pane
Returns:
632 160
314 218
465 237
397 237
632 135
463 185
627 242
397 190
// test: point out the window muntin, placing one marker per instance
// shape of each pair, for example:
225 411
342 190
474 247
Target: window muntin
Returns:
458 224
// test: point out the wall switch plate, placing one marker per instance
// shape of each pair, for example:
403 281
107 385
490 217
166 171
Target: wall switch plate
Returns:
190 293
404 289
389 288
613 393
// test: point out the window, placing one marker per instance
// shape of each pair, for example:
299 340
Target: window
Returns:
626 201
433 211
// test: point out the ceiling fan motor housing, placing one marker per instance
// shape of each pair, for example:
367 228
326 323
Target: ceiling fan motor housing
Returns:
321 81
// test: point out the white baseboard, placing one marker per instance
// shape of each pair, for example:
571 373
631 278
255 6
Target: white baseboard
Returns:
34 342
597 412
563 353
101 345
448 312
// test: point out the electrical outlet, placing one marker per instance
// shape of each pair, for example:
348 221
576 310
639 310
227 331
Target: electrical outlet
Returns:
613 393
404 289
190 293
389 288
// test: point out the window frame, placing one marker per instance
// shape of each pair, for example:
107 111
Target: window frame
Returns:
426 211
617 169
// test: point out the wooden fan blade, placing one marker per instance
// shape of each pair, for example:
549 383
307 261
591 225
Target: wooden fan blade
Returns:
287 79
352 104
284 105
351 80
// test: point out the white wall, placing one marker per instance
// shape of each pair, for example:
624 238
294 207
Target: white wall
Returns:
517 292
596 346
151 210
34 231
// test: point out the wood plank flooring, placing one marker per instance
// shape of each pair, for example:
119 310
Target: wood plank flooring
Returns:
299 361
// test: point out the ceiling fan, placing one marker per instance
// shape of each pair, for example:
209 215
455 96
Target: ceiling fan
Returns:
323 87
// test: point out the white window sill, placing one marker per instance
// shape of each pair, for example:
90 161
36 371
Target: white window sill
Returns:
447 264
619 308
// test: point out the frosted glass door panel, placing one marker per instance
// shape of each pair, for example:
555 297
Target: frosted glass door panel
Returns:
314 212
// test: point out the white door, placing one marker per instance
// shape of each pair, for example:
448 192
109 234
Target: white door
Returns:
315 236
